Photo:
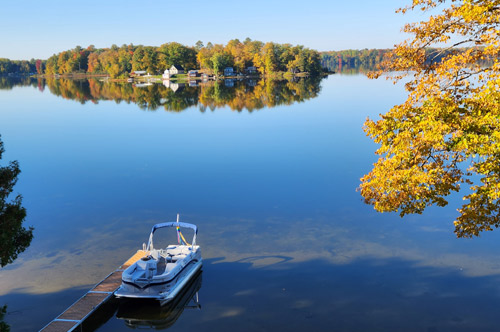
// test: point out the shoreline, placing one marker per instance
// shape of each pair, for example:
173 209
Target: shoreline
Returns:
278 75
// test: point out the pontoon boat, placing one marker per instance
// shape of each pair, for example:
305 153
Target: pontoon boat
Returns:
162 273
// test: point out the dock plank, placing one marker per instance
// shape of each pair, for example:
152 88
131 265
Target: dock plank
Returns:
86 305
82 308
59 326
138 255
110 284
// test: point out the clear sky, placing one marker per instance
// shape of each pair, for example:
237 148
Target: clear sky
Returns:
38 29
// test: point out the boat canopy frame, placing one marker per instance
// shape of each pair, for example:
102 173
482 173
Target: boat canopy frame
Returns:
172 224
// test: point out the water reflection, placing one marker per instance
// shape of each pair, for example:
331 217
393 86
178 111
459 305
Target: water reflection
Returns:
8 82
144 314
364 295
273 186
141 314
239 95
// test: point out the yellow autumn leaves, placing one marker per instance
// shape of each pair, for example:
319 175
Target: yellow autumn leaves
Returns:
446 135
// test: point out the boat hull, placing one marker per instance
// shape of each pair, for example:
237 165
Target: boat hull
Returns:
161 291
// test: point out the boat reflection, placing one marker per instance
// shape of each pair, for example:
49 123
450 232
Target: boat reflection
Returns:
138 313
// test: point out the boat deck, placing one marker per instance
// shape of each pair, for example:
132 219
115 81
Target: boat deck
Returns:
76 314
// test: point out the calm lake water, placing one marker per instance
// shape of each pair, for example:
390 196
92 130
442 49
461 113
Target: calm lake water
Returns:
268 172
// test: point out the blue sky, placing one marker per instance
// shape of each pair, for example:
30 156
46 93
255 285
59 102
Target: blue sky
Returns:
38 29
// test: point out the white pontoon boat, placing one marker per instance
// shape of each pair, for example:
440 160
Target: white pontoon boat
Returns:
162 273
141 314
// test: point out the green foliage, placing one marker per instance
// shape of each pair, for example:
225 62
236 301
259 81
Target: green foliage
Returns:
4 327
176 54
14 238
362 60
22 67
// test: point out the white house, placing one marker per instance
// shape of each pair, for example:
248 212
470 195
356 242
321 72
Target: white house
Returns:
176 69
166 74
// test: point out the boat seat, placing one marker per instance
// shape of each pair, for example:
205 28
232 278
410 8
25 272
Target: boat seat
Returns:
178 257
155 254
169 267
161 265
175 251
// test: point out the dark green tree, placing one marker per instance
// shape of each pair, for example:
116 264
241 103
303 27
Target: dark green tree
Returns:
198 45
14 238
4 327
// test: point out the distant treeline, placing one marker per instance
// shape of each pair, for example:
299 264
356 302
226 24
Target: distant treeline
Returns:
23 67
347 60
267 58
350 61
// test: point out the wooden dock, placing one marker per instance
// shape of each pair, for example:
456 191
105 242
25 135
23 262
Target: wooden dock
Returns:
76 314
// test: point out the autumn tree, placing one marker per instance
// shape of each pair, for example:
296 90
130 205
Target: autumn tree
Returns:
93 64
215 58
446 136
268 60
203 58
51 65
39 67
236 49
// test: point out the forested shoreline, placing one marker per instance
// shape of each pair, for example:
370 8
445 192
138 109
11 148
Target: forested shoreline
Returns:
366 60
346 60
267 59
21 67
118 62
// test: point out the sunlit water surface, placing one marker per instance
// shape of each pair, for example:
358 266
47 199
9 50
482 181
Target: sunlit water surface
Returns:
287 242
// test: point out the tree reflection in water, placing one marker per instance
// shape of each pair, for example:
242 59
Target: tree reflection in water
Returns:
14 238
238 95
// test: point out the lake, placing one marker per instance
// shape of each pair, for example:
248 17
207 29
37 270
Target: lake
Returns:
268 171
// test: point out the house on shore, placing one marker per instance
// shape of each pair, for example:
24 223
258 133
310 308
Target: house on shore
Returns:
228 71
138 73
176 69
166 74
193 73
251 70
